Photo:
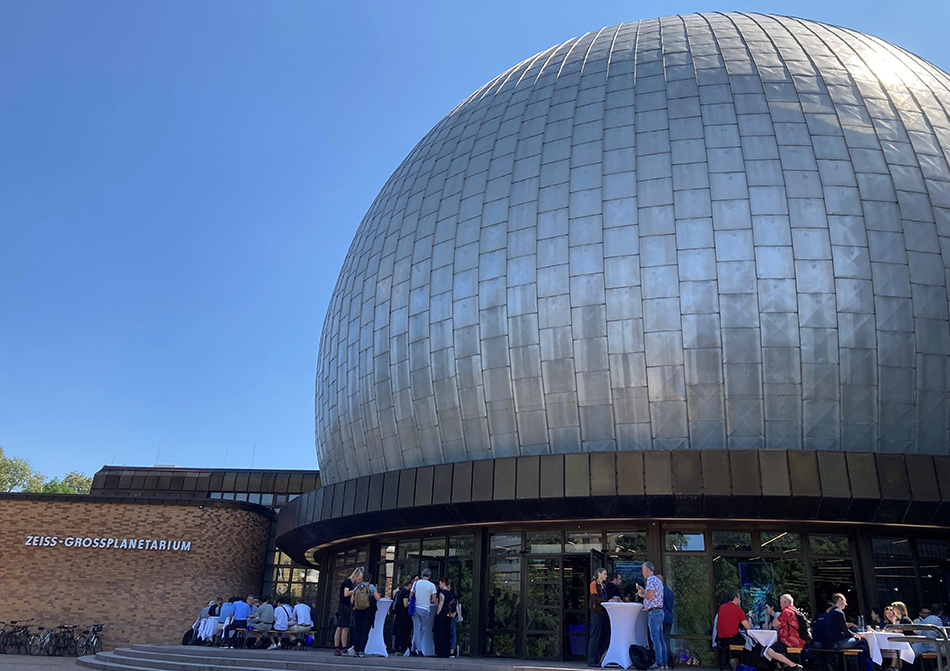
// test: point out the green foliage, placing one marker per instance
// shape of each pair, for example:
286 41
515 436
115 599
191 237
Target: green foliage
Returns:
16 475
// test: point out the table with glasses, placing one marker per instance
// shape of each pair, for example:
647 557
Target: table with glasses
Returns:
626 628
376 645
878 640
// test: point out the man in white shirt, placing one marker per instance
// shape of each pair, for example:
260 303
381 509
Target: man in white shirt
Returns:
303 620
424 590
282 614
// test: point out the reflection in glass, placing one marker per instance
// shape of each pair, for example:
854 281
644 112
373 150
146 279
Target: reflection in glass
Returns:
689 580
829 544
407 549
543 541
543 569
504 598
835 575
622 542
780 541
933 549
505 543
685 541
732 541
895 581
433 547
543 646
886 546
461 546
759 579
582 541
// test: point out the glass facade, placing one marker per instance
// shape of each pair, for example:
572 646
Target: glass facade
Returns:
524 590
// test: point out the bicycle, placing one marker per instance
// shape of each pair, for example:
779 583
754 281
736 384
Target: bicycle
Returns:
89 642
16 637
63 641
39 641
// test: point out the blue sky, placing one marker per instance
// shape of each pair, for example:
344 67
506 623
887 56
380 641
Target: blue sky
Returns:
180 181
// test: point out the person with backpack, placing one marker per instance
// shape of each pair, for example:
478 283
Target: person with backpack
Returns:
402 621
788 627
446 610
364 599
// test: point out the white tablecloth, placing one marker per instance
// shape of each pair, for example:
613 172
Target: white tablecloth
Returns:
376 645
877 641
764 637
626 628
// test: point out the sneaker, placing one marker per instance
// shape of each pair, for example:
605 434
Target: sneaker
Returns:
733 662
272 646
336 652
344 651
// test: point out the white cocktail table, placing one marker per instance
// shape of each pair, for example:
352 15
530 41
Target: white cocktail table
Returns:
624 632
877 641
764 637
376 645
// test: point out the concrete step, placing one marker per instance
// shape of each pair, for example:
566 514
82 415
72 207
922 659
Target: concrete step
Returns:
189 658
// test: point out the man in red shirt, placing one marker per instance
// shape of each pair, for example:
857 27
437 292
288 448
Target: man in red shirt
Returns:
729 620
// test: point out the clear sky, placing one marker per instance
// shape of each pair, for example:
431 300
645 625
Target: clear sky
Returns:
180 181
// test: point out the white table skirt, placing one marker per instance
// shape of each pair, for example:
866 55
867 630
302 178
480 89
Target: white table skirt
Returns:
625 630
877 641
764 637
376 645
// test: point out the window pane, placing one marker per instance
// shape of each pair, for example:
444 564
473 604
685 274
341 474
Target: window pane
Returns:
543 541
505 543
387 551
620 542
460 546
890 547
433 547
760 579
582 541
933 549
543 646
504 576
407 549
544 570
829 544
685 541
630 573
895 581
689 580
732 541
835 575
780 541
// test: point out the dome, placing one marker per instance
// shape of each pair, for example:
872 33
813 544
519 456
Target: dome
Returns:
702 231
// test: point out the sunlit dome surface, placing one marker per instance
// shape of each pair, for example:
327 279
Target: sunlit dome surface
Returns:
702 231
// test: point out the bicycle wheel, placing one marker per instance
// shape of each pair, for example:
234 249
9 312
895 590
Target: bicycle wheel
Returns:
71 648
82 645
96 645
50 646
34 644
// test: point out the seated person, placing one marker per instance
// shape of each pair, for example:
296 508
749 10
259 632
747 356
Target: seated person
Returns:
282 621
786 621
729 620
303 618
927 616
835 634
262 622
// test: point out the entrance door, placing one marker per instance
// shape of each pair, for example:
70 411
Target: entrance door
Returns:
575 580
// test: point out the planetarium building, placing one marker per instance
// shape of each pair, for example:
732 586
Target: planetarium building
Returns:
673 290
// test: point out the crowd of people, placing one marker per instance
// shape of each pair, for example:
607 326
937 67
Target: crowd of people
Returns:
425 615
260 621
830 630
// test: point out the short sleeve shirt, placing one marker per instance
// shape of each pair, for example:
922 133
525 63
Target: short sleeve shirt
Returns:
423 589
282 617
347 584
302 614
241 610
730 615
657 601
788 628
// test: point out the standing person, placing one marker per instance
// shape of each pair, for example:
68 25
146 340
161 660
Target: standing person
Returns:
364 599
344 613
652 595
598 594
402 623
669 606
424 591
445 611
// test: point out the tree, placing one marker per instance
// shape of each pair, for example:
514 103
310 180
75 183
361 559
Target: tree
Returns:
73 483
16 474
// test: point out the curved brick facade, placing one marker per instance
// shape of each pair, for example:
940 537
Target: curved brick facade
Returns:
142 595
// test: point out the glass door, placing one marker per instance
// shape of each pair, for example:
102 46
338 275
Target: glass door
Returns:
575 579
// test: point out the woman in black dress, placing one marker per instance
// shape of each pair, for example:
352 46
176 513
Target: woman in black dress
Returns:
445 611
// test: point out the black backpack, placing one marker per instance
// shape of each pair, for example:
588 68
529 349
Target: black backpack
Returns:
804 626
641 658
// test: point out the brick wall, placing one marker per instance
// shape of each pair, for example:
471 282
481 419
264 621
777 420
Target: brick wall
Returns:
142 595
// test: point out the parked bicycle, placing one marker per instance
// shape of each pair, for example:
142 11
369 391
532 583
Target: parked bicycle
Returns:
39 641
15 636
63 641
89 642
